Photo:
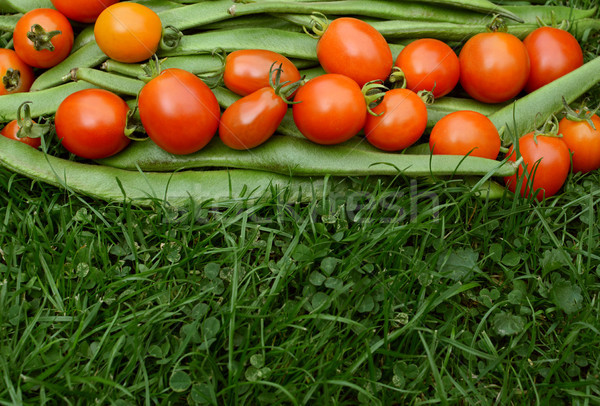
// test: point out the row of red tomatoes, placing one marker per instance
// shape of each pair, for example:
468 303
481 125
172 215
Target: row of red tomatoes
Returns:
181 114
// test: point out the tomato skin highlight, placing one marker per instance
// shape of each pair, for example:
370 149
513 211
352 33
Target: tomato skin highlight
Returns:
549 174
402 121
179 111
329 109
10 60
429 64
247 70
553 53
50 20
10 131
465 132
354 48
128 32
252 120
83 11
583 141
91 123
494 67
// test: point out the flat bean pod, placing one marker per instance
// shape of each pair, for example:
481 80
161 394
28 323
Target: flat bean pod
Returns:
84 37
8 22
158 6
87 56
547 14
45 102
255 20
446 105
390 10
290 44
196 64
300 157
109 81
23 6
144 189
523 115
481 6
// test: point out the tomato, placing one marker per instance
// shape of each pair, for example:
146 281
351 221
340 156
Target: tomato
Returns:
583 141
247 70
494 66
429 64
91 123
546 159
16 75
10 131
41 53
465 132
354 48
401 120
84 11
553 53
128 32
329 109
179 111
253 119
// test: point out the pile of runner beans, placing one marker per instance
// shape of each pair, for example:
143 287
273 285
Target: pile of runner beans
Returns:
221 100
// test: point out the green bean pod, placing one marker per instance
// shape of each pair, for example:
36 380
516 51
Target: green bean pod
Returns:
301 157
446 105
23 6
547 14
158 6
45 102
84 37
87 56
109 81
145 188
256 20
290 44
530 111
481 6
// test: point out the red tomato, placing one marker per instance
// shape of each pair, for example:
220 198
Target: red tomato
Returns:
179 111
465 132
10 131
128 32
253 119
330 109
41 53
91 123
429 64
84 11
402 121
583 141
354 48
16 75
553 53
546 159
247 70
494 66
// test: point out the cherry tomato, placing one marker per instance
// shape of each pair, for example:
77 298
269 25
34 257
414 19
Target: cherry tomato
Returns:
546 159
10 131
494 66
128 32
247 70
253 119
583 141
330 109
91 123
465 132
84 11
179 111
41 53
402 121
354 48
553 53
429 64
16 75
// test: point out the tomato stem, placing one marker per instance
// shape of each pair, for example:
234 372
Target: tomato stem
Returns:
42 39
318 25
397 78
373 92
27 127
497 25
581 114
171 37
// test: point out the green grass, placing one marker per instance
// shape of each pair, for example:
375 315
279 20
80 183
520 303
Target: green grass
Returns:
393 292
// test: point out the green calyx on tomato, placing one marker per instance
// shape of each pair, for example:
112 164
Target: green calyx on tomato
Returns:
42 39
583 113
285 89
11 80
27 127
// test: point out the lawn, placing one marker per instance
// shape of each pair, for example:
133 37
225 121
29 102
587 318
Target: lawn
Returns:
390 291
